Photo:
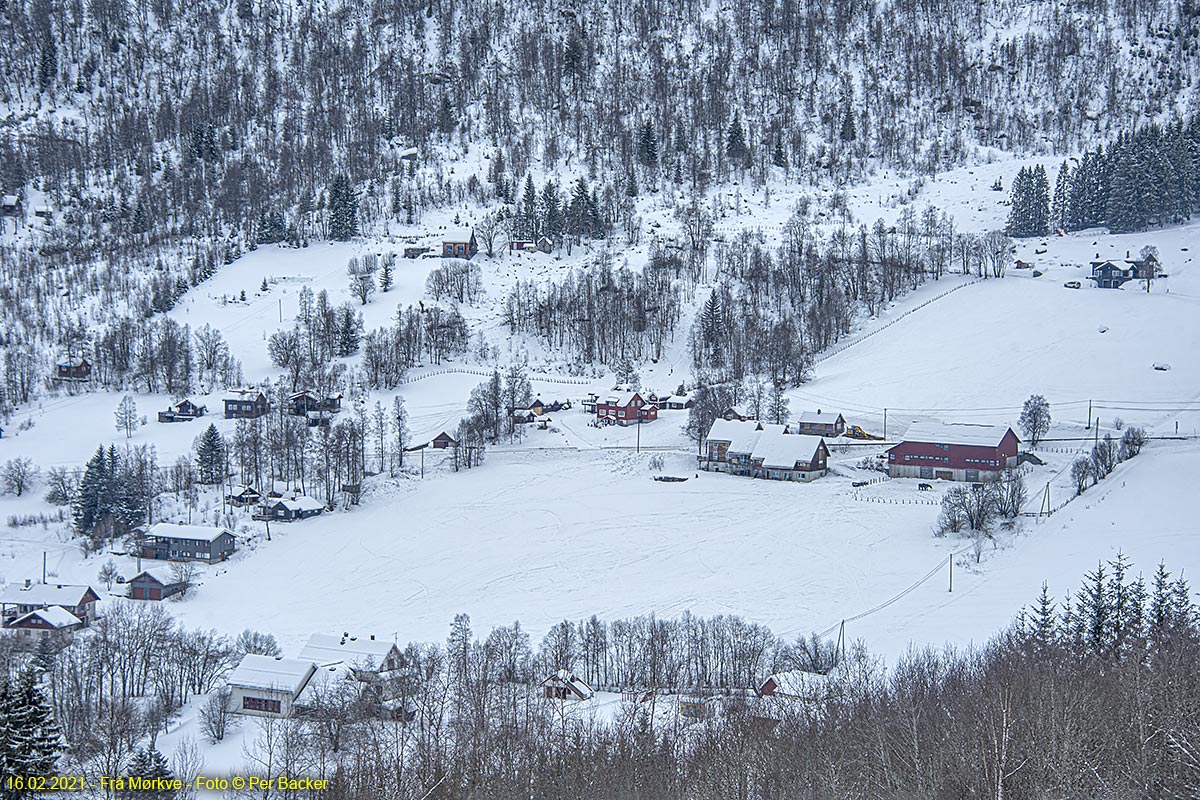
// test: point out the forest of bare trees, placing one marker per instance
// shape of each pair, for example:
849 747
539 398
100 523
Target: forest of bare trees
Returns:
1089 695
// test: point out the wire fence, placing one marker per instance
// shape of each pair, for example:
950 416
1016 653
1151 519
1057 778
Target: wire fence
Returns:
839 348
488 373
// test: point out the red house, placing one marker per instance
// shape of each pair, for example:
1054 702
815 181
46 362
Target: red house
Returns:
953 452
626 408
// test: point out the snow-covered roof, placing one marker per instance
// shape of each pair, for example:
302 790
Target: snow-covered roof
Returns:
240 489
325 649
266 672
171 530
163 575
956 433
46 594
623 398
724 430
458 235
242 394
55 616
745 439
783 450
300 503
819 417
73 362
8 200
569 680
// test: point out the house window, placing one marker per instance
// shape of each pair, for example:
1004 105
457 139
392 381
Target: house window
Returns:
260 704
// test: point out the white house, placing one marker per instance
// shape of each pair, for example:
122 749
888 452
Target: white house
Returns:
268 687
366 658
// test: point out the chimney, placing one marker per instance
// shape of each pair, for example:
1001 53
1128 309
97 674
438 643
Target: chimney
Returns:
1127 254
372 637
28 583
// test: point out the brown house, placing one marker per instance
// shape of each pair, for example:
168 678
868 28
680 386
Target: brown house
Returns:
20 600
76 369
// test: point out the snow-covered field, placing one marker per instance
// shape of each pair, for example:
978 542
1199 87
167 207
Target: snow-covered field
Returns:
568 522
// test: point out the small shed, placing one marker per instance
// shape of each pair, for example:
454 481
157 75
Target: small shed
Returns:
459 243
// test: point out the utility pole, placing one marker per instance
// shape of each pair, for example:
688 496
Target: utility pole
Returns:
951 560
885 424
43 566
1089 414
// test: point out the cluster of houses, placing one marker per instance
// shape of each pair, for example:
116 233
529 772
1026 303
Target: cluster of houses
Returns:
629 408
275 505
268 686
46 610
739 445
763 450
537 411
250 403
462 243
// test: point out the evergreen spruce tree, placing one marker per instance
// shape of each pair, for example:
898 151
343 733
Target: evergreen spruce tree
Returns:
849 132
711 328
1018 214
1044 632
149 764
735 142
552 212
578 221
1039 199
48 66
445 115
210 456
529 224
348 332
1060 209
1094 614
386 278
30 741
91 498
343 209
648 145
778 157
631 187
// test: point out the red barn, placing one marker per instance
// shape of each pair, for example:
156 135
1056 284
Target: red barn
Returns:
953 452
626 408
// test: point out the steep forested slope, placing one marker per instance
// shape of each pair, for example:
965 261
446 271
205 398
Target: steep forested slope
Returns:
170 137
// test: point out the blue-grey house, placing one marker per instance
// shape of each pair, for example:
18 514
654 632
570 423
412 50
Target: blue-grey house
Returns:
166 541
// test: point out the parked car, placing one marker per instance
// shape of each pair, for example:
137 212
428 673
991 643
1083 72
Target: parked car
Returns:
1073 285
